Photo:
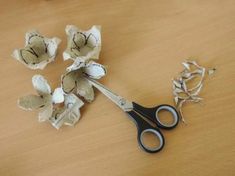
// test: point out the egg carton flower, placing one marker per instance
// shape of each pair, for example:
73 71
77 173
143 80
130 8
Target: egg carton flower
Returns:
83 45
52 105
38 50
74 79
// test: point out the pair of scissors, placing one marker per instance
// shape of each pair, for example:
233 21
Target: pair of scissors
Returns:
146 119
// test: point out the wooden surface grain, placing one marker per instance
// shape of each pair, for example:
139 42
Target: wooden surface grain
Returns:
144 43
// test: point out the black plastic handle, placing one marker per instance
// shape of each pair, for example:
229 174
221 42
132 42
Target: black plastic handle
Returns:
152 114
142 128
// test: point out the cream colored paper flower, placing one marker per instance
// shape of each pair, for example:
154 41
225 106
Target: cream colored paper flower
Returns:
73 80
84 45
38 50
46 102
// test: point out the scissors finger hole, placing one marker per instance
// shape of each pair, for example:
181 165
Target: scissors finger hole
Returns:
151 140
167 116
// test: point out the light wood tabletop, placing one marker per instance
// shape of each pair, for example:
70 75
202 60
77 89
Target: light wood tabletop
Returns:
143 46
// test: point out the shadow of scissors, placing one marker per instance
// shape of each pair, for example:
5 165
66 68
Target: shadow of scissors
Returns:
146 119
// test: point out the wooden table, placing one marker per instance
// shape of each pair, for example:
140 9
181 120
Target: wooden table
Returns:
143 45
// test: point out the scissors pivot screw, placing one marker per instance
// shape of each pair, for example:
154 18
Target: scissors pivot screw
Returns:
122 101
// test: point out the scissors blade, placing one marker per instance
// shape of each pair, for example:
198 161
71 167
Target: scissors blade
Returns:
118 100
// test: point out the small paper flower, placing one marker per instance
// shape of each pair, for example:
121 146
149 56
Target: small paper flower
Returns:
48 103
38 50
84 45
44 100
74 81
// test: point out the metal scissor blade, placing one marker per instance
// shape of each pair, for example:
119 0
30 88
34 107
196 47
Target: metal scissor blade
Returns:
118 100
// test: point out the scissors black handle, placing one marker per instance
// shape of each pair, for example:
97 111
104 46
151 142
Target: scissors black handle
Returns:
144 127
152 114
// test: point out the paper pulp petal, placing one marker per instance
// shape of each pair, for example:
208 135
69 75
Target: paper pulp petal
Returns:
45 113
58 95
41 85
37 44
57 117
71 100
31 102
95 70
73 103
84 89
77 64
68 81
52 46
